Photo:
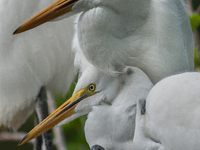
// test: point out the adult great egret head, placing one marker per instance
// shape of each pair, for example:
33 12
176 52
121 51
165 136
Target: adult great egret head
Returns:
171 120
113 101
114 34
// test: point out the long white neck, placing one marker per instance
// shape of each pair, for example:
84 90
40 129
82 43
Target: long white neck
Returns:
138 33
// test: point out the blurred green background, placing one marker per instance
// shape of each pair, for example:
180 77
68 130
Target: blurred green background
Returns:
74 131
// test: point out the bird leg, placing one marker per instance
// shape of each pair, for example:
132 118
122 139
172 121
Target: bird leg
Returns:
43 112
38 140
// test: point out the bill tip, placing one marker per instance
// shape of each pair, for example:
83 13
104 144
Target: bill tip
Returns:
16 31
21 142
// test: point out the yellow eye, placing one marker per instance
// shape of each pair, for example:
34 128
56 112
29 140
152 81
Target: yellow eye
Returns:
92 87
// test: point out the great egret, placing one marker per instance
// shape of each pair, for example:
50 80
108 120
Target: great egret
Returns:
171 118
111 108
31 60
153 35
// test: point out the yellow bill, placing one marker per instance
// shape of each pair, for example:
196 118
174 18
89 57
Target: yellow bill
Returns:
57 9
65 110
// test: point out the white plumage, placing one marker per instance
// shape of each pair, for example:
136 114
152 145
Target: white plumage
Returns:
158 40
30 60
111 122
154 36
171 120
114 35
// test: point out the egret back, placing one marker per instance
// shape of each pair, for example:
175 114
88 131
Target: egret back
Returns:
172 111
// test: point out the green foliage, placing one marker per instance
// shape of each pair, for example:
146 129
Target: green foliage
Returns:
197 59
195 21
74 134
73 131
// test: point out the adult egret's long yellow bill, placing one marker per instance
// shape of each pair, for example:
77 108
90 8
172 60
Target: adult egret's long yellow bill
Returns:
65 110
55 10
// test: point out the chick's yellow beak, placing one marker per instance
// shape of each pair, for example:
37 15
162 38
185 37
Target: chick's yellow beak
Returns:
65 110
55 10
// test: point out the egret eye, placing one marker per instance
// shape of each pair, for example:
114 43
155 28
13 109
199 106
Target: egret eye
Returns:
92 87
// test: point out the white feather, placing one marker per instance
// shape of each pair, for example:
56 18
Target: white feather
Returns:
40 57
154 36
171 121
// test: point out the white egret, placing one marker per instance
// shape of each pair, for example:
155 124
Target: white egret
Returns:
171 118
31 60
153 35
111 108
